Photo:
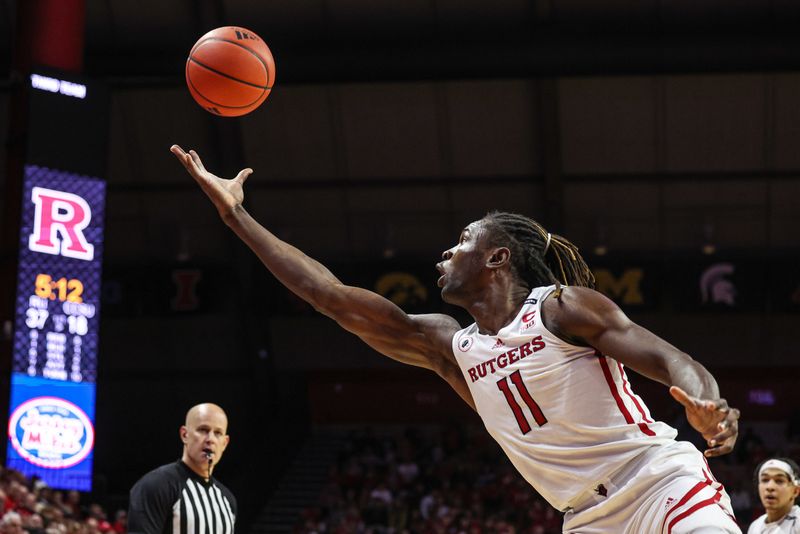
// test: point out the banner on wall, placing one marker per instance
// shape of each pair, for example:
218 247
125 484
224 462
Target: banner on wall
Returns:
701 285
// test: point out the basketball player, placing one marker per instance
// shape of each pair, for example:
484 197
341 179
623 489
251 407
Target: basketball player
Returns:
778 488
543 365
183 497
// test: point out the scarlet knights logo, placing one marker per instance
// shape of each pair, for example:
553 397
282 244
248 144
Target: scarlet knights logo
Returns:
464 344
58 224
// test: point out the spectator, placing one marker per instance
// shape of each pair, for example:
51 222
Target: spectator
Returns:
11 523
778 487
72 505
33 524
120 525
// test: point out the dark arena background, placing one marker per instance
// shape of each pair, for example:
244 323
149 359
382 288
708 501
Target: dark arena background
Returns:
663 138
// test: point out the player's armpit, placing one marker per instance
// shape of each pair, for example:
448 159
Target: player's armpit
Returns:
420 340
386 327
436 356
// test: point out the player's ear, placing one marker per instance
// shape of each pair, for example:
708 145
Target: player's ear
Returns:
499 256
184 433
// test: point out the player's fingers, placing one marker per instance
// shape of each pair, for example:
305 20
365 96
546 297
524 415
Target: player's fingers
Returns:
728 432
196 159
243 175
682 397
182 156
191 164
721 405
723 448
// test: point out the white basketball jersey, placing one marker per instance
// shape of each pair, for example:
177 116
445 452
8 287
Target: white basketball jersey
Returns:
565 415
789 524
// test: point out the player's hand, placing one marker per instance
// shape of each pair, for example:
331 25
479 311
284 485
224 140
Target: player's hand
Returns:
226 195
714 419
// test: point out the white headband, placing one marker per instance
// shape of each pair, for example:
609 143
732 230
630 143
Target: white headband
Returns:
547 245
783 466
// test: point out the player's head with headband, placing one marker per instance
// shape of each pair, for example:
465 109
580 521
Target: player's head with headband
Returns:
789 467
778 481
538 257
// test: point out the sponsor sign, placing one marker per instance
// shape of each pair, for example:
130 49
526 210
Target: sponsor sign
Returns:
51 430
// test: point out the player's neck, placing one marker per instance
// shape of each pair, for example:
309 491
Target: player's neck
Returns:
777 515
497 308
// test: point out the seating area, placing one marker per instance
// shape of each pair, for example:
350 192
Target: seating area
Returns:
392 480
437 480
29 505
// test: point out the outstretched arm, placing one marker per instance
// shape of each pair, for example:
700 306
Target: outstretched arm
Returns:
586 317
422 340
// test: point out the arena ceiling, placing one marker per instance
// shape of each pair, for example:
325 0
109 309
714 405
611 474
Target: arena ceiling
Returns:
337 40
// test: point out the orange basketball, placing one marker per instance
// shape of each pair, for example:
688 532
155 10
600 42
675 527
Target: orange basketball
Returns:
230 71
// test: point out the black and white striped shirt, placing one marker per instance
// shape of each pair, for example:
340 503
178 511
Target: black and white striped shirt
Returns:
173 499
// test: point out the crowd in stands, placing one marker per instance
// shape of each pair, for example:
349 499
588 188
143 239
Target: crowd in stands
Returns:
419 480
458 481
27 505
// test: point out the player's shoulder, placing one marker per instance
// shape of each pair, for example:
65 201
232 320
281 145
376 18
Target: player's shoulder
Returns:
794 514
573 313
571 294
437 330
578 302
757 526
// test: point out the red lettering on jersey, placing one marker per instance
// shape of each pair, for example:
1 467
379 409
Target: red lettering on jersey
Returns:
481 369
58 224
502 360
506 359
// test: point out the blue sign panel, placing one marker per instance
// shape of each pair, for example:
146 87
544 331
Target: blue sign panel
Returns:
51 430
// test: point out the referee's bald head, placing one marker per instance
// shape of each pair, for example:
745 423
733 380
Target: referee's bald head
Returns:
205 409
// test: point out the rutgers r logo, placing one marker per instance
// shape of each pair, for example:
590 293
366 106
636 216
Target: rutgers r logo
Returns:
58 224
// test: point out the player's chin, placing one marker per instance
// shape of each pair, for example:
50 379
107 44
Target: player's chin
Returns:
447 295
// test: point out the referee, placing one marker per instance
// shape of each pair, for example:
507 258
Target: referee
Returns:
183 497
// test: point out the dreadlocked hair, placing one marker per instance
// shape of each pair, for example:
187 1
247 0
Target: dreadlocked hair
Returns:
538 257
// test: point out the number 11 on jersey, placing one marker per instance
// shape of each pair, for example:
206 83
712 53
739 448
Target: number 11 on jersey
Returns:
522 421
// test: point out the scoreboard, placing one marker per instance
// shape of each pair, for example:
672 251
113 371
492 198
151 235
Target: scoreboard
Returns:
57 308
58 277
